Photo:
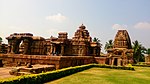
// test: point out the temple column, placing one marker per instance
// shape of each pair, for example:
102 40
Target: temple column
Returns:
94 51
51 49
9 46
13 47
80 51
112 63
54 49
119 62
26 46
62 50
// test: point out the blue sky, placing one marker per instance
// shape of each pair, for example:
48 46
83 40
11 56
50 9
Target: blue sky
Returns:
102 18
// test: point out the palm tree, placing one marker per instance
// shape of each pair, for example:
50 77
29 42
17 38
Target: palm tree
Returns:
96 40
108 45
148 51
139 52
1 40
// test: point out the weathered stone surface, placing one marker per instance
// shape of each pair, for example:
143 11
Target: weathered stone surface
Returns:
25 43
122 52
58 61
100 60
80 45
3 48
147 59
22 70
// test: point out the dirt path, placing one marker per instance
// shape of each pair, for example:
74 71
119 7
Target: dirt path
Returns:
4 72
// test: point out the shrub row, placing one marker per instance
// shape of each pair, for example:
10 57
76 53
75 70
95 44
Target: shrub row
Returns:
141 65
114 67
45 77
49 76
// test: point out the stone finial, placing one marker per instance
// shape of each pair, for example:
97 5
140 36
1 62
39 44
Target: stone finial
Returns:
82 27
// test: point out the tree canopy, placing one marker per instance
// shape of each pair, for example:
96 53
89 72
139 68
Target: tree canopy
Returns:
96 40
148 51
139 51
108 45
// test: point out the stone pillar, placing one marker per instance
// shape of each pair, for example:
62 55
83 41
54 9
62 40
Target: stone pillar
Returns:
119 62
112 62
13 47
26 46
94 51
123 62
9 46
62 50
97 51
54 49
51 49
80 51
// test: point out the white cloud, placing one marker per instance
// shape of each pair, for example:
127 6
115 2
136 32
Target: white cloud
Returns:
142 25
58 17
119 27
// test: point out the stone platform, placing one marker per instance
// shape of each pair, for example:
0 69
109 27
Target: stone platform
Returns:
58 61
22 70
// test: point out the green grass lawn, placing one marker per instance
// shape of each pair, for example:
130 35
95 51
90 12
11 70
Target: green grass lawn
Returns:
107 76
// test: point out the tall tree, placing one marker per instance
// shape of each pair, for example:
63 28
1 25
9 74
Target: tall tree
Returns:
1 40
97 40
139 52
108 45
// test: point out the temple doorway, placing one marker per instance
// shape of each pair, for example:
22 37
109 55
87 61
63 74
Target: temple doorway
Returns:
115 61
58 49
107 61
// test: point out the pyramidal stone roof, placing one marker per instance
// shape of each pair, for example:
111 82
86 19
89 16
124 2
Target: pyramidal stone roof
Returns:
82 34
122 40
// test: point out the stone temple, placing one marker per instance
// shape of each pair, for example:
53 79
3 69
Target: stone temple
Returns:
80 45
24 48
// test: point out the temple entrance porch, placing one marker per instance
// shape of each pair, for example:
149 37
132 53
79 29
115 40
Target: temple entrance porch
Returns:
117 61
57 49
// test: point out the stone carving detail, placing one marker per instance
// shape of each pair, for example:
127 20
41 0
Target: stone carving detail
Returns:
122 40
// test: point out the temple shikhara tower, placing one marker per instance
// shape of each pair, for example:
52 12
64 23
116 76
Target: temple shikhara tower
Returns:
122 52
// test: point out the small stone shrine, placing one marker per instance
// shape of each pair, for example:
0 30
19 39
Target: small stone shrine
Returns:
122 52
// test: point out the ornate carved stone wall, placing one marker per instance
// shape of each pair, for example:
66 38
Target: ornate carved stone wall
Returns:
122 52
122 40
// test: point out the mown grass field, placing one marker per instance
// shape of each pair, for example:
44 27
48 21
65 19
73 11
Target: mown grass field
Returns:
107 76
